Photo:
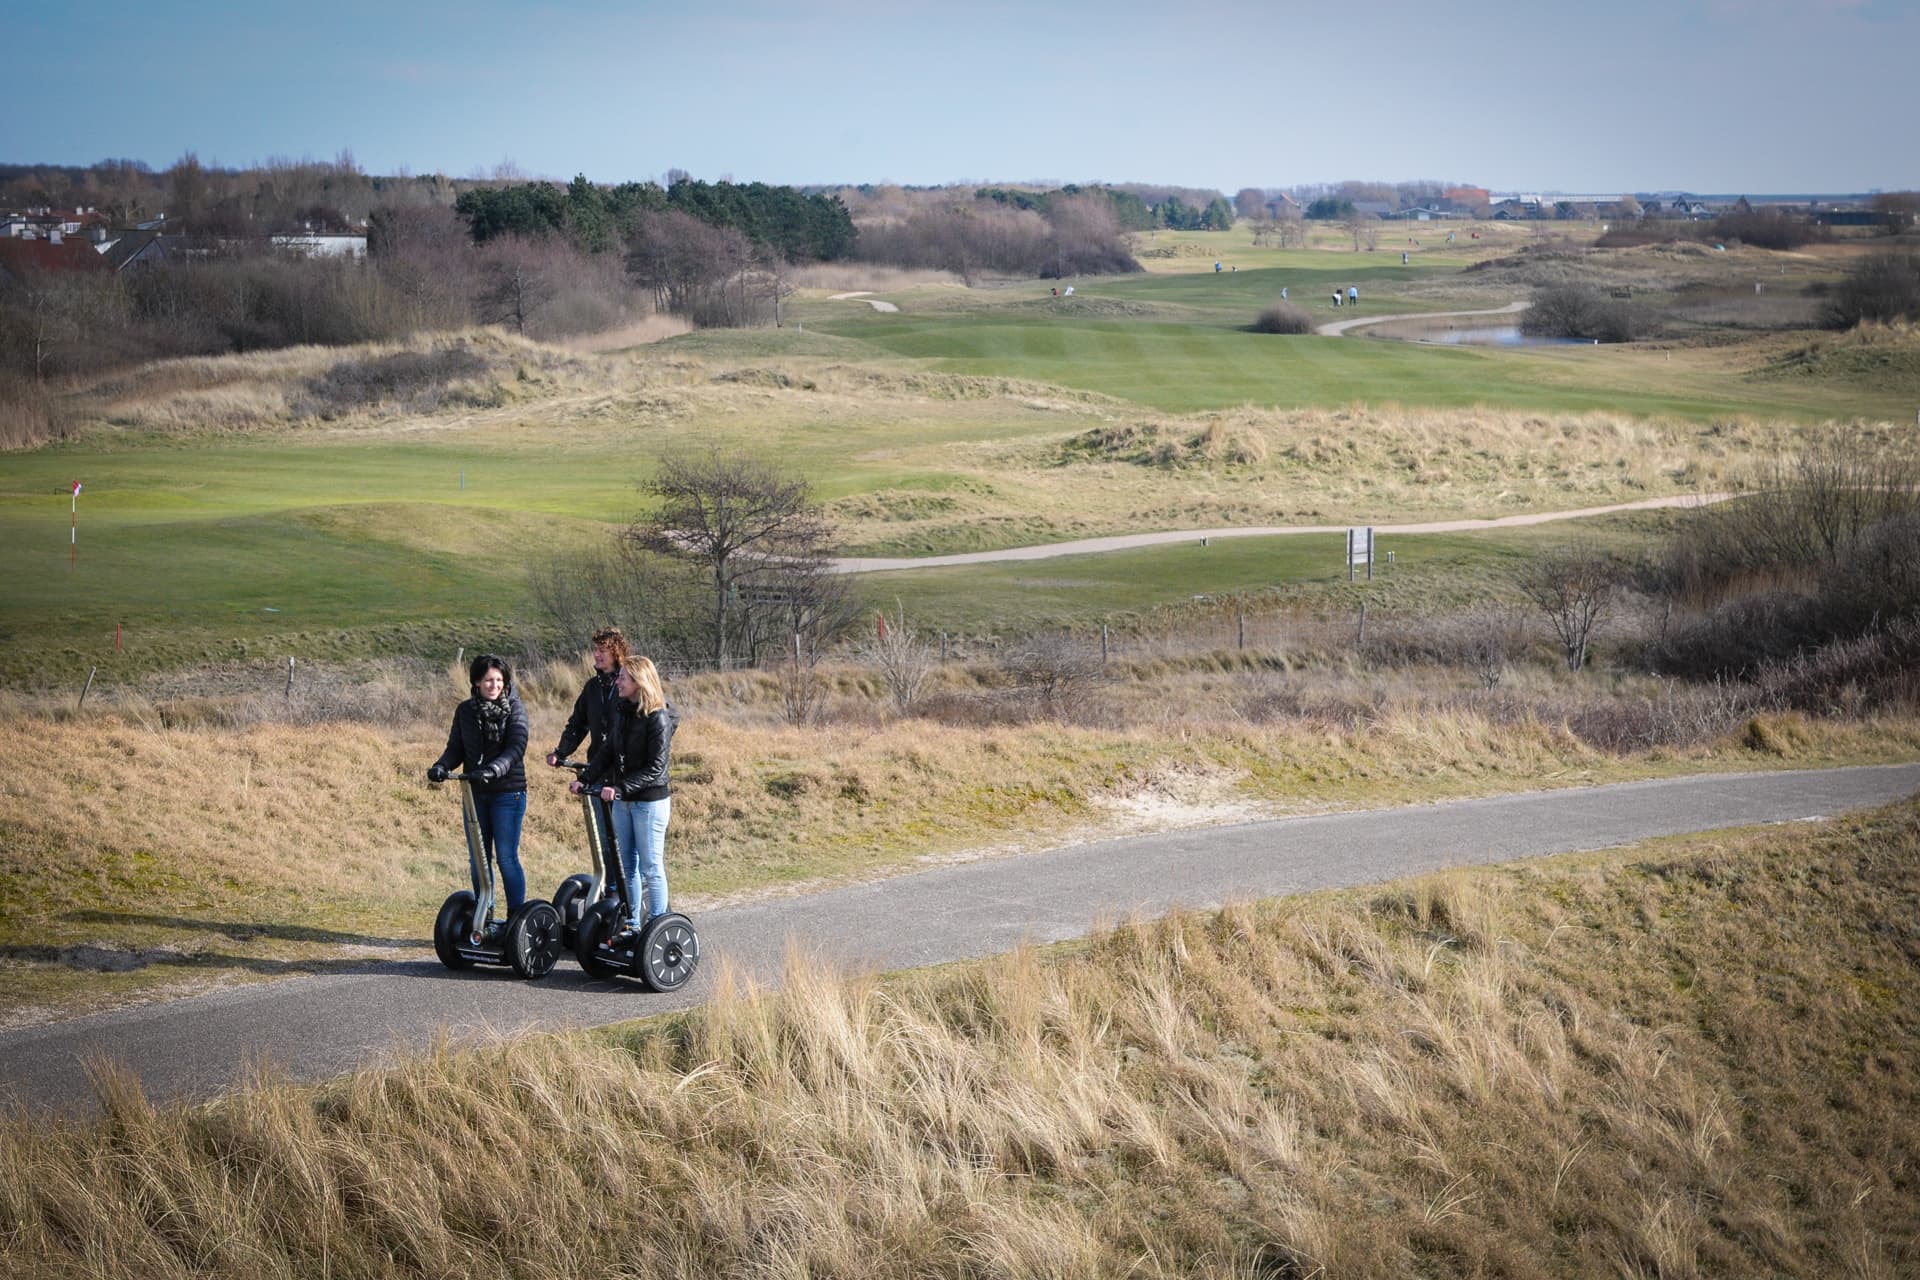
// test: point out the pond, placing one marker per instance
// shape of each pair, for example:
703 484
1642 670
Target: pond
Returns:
1466 333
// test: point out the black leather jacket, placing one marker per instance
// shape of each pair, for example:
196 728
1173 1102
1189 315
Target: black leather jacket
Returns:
592 719
634 758
466 748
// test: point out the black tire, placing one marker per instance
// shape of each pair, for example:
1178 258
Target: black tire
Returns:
599 924
569 900
669 952
533 940
450 929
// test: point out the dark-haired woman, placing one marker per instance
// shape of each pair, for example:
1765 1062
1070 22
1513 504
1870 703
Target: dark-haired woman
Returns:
630 769
488 742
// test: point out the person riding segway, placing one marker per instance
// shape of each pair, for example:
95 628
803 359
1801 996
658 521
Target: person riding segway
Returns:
579 894
592 720
630 772
486 743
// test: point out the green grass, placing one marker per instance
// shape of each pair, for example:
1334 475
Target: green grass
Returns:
1185 346
1122 587
334 541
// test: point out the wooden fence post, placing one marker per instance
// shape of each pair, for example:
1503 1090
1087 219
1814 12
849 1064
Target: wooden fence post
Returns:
91 672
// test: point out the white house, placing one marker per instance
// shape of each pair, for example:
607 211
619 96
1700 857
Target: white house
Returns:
322 244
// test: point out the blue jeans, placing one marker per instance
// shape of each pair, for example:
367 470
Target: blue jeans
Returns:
501 816
640 830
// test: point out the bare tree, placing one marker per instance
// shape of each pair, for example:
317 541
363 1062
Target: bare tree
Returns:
518 282
1573 587
1363 227
686 262
904 658
753 526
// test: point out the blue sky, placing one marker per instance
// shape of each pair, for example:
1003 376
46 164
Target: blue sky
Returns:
1702 95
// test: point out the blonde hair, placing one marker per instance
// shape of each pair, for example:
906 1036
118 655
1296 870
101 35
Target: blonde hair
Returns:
653 694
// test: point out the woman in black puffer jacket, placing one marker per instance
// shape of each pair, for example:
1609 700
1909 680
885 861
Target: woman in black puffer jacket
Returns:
631 771
488 742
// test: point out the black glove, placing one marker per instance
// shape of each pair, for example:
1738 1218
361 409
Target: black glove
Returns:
485 774
437 773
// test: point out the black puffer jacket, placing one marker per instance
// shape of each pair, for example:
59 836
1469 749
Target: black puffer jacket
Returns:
467 747
634 758
593 716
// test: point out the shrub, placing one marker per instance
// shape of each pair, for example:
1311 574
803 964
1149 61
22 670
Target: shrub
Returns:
1882 286
1768 229
417 380
1578 311
1283 317
1052 673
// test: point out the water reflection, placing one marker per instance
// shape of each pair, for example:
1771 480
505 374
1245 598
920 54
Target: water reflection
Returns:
1472 335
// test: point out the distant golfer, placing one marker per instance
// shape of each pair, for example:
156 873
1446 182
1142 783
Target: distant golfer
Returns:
1353 295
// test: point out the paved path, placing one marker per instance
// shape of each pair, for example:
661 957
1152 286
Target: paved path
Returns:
1334 328
860 295
1120 542
322 1026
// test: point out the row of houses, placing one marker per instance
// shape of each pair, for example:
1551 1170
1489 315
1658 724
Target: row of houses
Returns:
49 240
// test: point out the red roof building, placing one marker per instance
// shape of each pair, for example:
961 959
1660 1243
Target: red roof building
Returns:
20 257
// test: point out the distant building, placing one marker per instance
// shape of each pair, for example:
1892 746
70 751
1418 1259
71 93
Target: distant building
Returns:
322 244
21 257
141 248
1283 205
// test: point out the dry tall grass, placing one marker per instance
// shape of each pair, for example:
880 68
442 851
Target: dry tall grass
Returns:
180 837
1689 1062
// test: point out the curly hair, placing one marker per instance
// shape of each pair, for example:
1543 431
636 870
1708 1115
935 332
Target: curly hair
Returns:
614 641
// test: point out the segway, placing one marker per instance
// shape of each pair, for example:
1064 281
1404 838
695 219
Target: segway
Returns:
663 954
466 933
579 894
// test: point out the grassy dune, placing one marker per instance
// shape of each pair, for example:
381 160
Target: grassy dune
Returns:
392 529
1601 1064
388 499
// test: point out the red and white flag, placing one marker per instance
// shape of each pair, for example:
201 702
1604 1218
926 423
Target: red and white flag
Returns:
76 488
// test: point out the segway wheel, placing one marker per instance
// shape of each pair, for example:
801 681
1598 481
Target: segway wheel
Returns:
450 929
569 902
533 940
596 927
669 952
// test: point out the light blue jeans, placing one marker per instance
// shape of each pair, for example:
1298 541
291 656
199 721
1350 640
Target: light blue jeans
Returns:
640 833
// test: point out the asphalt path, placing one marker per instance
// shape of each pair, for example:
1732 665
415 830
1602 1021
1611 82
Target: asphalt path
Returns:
1126 541
316 1027
1337 328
